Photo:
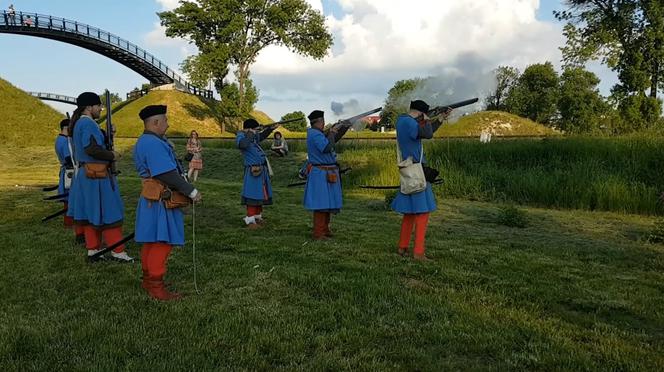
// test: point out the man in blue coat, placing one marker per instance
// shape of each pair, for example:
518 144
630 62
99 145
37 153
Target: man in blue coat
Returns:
411 129
95 201
256 189
159 225
66 175
322 192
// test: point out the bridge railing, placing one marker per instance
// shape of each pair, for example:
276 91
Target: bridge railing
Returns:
53 97
48 22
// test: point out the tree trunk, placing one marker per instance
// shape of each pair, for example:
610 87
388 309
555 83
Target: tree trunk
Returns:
654 80
243 71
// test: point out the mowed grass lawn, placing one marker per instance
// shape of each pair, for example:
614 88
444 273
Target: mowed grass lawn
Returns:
572 290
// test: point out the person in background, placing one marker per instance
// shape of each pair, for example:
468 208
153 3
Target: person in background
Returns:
195 148
66 176
256 188
279 146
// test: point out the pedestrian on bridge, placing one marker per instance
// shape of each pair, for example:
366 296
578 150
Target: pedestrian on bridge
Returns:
11 14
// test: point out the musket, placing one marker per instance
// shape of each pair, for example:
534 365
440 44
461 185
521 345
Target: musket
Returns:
444 108
56 197
58 213
110 146
111 247
435 182
274 125
344 125
301 183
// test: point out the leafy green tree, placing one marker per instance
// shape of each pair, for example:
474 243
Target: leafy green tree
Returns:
298 126
581 107
233 32
628 36
535 94
230 106
398 100
115 97
506 78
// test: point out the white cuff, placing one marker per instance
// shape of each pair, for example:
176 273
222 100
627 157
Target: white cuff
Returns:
193 194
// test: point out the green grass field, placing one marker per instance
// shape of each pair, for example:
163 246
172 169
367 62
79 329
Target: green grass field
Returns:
572 290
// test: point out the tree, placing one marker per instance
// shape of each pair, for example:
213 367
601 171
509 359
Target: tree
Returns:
298 126
627 35
230 106
398 99
115 98
580 106
233 32
535 94
506 77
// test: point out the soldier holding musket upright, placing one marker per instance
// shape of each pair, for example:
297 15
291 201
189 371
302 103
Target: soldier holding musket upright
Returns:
95 201
159 218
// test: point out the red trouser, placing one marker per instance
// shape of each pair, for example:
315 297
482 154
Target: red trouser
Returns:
321 224
420 221
111 236
68 221
79 229
253 210
153 260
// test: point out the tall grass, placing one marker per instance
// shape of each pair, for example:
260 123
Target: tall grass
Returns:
624 174
613 174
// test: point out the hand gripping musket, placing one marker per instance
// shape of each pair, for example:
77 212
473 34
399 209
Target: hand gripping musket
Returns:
343 125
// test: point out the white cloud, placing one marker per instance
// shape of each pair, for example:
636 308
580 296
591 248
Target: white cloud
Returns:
394 34
168 4
380 41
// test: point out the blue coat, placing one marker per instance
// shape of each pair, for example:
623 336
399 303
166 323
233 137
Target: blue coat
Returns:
411 145
154 222
256 190
62 151
93 201
319 194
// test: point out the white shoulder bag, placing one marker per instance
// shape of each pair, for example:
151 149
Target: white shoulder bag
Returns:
411 174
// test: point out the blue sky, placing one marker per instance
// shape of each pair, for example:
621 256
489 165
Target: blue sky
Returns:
51 66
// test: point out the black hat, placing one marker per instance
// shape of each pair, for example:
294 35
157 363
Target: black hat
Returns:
250 124
152 110
64 123
316 114
419 105
88 99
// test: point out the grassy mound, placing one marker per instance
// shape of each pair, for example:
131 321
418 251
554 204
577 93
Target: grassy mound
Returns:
497 122
186 112
25 119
